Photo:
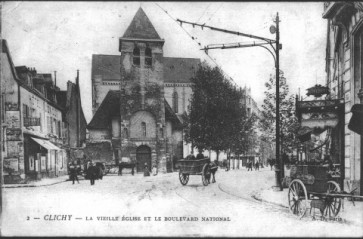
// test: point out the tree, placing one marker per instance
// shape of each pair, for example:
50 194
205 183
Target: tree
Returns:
214 119
288 122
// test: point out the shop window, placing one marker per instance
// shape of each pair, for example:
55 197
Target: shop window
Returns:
148 57
136 56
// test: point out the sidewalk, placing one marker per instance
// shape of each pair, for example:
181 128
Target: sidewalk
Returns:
257 185
348 212
43 182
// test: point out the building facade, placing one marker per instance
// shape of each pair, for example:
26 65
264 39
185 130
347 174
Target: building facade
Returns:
33 133
135 115
74 122
344 69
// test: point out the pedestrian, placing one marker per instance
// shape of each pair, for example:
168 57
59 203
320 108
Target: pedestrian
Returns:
146 170
155 170
73 173
249 165
92 173
257 166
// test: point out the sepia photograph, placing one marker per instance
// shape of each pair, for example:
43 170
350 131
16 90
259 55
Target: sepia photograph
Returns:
181 119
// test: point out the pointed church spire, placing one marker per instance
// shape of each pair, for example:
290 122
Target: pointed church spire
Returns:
141 27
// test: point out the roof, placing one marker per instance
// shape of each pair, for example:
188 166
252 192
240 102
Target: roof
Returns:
141 27
110 106
108 66
20 81
176 69
179 70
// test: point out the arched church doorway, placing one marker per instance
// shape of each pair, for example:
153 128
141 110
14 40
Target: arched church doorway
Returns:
143 155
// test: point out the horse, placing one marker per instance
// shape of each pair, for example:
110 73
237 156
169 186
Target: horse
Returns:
123 165
213 169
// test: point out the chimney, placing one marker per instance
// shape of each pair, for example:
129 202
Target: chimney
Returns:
55 78
77 80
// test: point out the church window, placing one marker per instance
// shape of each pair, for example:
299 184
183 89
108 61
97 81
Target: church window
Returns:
126 133
148 57
175 102
143 128
161 132
136 56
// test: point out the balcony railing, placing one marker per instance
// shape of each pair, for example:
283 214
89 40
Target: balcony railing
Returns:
31 122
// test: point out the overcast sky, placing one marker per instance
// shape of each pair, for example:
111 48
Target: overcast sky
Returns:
62 36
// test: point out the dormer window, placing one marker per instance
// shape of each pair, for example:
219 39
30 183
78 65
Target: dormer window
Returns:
148 57
136 56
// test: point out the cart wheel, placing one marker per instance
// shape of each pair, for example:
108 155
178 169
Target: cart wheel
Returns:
206 174
184 178
297 198
332 204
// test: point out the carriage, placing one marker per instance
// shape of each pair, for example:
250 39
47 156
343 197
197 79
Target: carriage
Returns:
194 167
321 185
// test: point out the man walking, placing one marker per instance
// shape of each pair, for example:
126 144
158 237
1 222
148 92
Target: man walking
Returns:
92 173
73 172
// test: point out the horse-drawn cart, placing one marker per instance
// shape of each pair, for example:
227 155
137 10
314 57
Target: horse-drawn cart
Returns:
319 184
194 167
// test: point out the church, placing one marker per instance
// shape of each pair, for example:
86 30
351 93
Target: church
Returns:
138 98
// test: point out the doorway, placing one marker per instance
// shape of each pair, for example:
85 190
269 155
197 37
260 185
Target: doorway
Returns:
143 155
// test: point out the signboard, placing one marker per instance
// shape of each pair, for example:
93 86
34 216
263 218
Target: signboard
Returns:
13 134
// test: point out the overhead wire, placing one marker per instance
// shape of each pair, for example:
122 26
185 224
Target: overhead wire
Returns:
199 44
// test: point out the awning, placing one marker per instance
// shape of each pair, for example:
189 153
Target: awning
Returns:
45 144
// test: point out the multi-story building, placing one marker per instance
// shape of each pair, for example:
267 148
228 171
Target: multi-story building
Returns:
344 68
33 134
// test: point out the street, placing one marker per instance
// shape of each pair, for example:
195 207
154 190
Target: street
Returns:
158 206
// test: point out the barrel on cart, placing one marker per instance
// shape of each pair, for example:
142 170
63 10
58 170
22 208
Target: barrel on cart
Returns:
321 185
194 167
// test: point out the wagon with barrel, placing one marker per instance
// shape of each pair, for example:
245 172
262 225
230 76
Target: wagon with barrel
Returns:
194 167
319 184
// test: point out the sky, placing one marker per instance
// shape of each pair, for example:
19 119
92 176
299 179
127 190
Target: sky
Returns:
62 36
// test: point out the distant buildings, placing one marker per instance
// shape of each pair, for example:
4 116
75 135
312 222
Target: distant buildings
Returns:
35 123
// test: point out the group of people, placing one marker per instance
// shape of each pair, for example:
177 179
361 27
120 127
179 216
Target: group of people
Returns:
92 172
250 164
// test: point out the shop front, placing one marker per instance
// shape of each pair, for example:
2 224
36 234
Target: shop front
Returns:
41 158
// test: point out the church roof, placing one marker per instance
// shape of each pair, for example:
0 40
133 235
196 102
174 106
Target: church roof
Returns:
141 27
110 106
176 69
179 70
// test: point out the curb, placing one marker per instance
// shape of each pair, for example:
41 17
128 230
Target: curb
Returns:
32 185
254 196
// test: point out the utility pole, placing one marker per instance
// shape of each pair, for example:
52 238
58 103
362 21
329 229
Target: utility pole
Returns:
275 54
278 157
1 122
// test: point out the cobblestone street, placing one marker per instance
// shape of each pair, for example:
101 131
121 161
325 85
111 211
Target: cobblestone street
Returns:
123 206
